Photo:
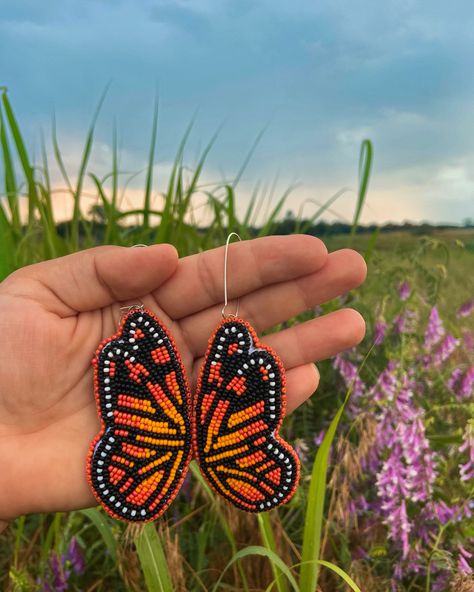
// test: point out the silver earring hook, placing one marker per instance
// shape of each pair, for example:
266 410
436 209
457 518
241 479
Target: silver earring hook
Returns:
125 309
226 256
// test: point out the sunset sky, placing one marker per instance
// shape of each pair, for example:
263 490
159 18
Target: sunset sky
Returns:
318 75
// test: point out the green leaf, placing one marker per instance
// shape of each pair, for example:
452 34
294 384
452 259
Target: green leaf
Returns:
269 541
340 572
102 523
262 551
152 560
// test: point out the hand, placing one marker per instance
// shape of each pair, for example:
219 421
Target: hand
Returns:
54 314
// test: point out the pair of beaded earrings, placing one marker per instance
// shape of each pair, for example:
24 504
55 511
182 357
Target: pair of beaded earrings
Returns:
152 427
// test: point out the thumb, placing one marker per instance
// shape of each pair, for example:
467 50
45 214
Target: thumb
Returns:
97 277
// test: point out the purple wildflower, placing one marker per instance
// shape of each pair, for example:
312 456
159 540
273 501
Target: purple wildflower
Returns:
60 573
434 329
379 332
466 386
318 439
465 309
349 374
386 385
76 557
362 503
441 581
468 339
343 298
467 470
408 472
399 324
444 513
62 567
404 291
392 490
420 474
186 488
463 560
397 576
301 449
359 553
462 385
444 351
453 381
405 322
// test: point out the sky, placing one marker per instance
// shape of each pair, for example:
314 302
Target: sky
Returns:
318 76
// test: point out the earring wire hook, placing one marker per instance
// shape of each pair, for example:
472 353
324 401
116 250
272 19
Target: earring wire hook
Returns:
226 256
125 309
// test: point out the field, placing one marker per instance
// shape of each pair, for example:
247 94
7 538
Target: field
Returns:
386 499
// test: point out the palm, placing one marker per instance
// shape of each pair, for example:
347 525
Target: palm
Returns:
55 314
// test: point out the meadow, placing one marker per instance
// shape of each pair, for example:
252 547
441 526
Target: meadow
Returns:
386 500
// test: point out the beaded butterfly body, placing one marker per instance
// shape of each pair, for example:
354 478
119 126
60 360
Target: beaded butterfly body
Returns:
151 427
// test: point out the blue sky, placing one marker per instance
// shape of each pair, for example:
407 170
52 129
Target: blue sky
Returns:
320 75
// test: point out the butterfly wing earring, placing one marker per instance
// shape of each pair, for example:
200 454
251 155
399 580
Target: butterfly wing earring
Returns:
238 409
139 459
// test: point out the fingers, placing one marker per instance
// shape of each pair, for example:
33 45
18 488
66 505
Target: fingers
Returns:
265 307
344 270
301 382
316 339
319 338
199 280
95 278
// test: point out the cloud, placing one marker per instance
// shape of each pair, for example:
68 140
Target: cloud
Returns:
322 75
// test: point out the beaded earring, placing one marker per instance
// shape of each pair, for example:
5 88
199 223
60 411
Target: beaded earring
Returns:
138 461
238 409
151 427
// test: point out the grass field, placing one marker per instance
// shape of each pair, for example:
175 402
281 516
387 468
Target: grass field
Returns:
383 504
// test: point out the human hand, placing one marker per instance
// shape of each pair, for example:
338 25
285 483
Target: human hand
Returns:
54 314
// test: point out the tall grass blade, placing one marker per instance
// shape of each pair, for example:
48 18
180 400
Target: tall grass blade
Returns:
251 207
149 172
340 572
248 157
365 167
370 249
7 246
232 224
266 532
9 177
153 560
272 218
76 216
112 234
58 155
28 170
102 524
263 552
304 227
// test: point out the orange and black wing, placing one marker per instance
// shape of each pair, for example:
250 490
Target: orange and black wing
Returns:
137 462
239 407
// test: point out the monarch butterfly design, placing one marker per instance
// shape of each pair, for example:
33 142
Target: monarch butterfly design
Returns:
151 427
